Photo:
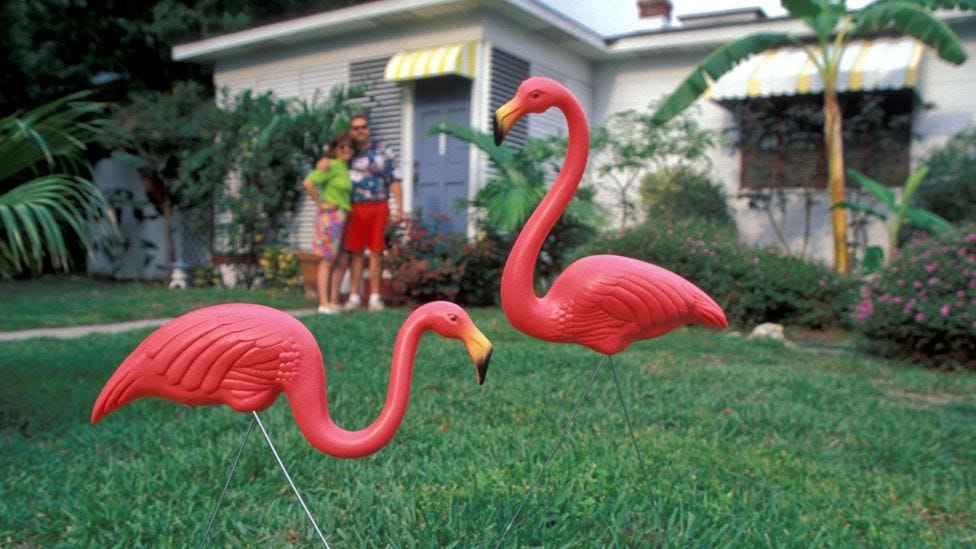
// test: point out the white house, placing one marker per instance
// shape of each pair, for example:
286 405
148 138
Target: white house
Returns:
427 59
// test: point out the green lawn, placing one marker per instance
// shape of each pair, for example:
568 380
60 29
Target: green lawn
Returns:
747 444
55 301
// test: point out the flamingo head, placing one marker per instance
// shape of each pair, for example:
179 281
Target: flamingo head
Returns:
449 320
535 95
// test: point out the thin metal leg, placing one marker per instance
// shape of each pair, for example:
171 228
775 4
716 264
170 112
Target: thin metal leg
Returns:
290 483
230 475
633 438
586 391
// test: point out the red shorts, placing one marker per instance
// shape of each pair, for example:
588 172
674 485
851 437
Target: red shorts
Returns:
367 226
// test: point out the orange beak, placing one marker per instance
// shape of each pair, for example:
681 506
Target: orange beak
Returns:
505 117
479 349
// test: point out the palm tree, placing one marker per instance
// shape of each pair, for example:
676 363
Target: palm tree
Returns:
833 28
43 198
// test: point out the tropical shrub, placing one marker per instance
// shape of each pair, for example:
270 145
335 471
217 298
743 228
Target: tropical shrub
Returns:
483 259
683 191
629 144
428 263
280 267
949 189
753 285
261 147
922 306
47 200
423 258
514 189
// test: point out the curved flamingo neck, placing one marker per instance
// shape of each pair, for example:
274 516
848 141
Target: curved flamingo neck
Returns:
308 399
522 307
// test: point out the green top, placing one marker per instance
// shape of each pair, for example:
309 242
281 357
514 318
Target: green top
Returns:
333 185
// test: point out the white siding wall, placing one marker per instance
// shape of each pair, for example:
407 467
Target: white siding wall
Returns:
546 59
302 70
951 90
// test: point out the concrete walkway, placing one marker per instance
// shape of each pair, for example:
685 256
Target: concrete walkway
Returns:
72 332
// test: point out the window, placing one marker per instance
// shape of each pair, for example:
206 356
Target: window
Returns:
781 138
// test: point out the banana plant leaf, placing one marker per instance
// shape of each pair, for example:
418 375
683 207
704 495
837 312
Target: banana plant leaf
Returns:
880 193
915 21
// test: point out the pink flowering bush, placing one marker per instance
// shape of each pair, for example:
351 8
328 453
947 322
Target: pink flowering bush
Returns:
923 305
752 284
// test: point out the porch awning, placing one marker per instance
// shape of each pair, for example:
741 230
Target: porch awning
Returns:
434 61
888 63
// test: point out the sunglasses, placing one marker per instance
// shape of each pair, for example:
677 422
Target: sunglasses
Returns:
360 127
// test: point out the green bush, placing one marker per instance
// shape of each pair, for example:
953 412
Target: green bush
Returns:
949 188
681 191
423 259
923 304
483 259
752 285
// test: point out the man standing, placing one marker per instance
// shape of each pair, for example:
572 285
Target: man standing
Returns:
375 174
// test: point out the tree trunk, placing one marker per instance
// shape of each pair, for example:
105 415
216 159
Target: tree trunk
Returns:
834 143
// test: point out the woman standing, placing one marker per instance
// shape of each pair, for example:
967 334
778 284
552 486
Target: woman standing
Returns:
329 186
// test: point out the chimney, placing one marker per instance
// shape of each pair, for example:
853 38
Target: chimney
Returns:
654 14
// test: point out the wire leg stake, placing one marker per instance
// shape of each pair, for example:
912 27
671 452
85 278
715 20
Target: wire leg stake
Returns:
290 483
633 438
586 391
230 475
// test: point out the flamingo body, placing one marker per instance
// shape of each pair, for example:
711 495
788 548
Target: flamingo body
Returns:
604 302
245 356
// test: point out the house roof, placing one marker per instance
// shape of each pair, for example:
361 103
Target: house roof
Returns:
567 32
380 15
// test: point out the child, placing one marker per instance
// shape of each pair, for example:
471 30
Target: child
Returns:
329 186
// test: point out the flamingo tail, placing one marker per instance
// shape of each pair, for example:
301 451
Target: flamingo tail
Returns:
115 394
709 313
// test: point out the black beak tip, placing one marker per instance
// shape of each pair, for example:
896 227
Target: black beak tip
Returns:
483 368
497 131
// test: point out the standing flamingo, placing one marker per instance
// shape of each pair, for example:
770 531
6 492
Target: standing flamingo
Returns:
604 302
245 355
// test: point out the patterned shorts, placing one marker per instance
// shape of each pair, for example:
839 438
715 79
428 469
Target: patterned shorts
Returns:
328 233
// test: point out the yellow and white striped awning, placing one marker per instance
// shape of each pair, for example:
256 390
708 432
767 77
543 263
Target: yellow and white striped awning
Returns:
879 64
456 59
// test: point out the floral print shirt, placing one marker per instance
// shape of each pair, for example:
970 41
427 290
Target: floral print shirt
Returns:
372 171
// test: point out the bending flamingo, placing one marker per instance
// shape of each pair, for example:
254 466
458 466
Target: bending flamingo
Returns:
604 302
245 355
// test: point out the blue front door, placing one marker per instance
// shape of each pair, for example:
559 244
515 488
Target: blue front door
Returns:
441 173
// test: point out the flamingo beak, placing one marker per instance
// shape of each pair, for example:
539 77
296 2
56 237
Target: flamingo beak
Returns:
505 117
479 349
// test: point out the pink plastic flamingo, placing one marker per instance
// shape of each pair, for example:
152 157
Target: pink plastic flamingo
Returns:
245 355
604 302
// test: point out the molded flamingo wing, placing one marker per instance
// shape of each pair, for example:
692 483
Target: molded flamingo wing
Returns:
617 300
235 354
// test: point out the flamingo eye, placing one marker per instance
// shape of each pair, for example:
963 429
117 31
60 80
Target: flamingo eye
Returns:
452 317
536 94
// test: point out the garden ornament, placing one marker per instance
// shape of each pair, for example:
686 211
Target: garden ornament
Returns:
244 355
603 302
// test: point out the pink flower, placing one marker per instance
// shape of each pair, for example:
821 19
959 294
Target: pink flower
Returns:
918 284
920 317
932 266
944 310
970 237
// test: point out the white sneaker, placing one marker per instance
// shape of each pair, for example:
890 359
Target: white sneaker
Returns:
375 303
327 310
353 303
